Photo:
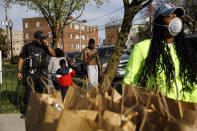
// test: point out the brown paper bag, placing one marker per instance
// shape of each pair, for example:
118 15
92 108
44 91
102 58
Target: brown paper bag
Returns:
113 118
40 108
76 99
70 121
129 126
105 124
157 101
187 123
32 115
105 104
190 118
88 114
49 117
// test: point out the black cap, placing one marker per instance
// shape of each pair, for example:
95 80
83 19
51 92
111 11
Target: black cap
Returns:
39 35
91 41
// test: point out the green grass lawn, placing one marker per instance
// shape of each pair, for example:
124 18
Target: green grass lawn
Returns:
11 90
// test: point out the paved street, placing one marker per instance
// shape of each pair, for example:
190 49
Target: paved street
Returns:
11 122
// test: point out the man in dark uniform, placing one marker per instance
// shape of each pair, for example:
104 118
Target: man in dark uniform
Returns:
33 62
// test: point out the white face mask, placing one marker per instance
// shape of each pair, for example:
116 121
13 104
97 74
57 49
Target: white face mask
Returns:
175 26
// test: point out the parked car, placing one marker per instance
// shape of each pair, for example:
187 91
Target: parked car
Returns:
105 53
71 57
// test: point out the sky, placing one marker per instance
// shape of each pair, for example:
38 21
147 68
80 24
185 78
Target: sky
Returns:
92 14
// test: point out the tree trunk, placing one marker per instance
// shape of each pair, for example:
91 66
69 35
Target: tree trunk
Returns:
56 41
56 37
119 47
130 11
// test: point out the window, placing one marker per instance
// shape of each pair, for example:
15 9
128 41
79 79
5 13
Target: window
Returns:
71 26
82 27
87 28
26 25
27 35
37 23
83 37
83 46
76 27
50 35
133 29
71 36
77 46
76 37
60 45
71 46
87 37
94 29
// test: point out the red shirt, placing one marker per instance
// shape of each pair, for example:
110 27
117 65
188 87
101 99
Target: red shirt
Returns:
66 80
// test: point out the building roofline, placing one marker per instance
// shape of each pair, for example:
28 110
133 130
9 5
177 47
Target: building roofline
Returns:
34 18
86 24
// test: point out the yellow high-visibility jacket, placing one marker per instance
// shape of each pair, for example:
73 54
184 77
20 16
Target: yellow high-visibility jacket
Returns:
136 64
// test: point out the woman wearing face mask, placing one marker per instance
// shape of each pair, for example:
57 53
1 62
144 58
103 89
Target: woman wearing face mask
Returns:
161 63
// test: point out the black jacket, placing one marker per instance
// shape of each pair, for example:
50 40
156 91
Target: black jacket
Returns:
35 56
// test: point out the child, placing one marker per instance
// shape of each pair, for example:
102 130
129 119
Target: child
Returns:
64 76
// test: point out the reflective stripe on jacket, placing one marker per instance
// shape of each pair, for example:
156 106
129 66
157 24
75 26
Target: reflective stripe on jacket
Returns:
136 64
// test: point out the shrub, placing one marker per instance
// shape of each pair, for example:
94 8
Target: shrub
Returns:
15 59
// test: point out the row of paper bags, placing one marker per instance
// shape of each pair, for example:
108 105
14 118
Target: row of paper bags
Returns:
96 110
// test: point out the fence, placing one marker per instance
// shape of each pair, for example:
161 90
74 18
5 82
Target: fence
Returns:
11 93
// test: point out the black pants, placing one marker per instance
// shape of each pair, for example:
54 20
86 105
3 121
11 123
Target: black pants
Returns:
38 87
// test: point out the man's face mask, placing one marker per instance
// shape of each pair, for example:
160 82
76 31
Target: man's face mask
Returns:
175 26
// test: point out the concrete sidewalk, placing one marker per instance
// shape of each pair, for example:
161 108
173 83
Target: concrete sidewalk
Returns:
11 122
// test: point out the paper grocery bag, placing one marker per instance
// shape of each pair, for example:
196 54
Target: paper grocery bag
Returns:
32 116
49 117
88 114
113 118
70 121
40 109
76 99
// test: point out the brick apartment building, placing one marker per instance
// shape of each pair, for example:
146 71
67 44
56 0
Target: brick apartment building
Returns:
76 35
111 35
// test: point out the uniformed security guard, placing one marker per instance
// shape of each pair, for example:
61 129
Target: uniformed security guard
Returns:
33 57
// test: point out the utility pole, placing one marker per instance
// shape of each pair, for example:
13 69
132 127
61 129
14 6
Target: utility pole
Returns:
80 38
7 31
